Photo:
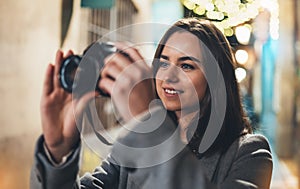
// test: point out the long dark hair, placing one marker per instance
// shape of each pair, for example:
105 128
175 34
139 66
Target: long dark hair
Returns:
235 122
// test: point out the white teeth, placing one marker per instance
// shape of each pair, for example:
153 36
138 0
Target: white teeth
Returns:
171 91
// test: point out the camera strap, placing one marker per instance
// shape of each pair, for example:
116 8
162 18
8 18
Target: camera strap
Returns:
98 135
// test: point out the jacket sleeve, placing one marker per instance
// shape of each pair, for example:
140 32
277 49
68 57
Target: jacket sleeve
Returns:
45 175
252 165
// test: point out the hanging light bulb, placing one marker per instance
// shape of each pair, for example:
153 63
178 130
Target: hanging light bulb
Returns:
209 6
228 32
189 4
243 34
200 10
240 74
241 56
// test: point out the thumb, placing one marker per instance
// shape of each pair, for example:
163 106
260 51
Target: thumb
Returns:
81 104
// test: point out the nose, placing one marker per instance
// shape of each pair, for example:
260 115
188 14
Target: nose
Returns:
171 74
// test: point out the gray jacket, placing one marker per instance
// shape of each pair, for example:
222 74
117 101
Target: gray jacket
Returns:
246 164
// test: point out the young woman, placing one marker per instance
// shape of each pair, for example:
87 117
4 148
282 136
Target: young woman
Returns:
194 79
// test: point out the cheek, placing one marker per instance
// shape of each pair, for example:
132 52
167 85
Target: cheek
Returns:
201 88
200 85
158 79
158 83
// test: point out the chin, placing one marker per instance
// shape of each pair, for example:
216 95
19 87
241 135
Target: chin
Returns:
172 108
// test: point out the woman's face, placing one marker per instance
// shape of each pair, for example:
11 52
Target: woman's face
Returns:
180 80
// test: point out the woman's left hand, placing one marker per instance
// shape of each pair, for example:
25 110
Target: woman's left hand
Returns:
128 80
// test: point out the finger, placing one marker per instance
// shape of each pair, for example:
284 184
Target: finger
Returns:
106 85
58 62
83 101
134 55
114 66
117 58
48 81
132 52
111 72
69 53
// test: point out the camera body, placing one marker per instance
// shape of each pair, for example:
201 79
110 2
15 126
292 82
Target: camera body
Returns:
81 73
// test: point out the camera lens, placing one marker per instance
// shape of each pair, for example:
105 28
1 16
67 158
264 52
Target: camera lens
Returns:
67 72
87 73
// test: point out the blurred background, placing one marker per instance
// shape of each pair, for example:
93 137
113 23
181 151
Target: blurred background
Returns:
264 34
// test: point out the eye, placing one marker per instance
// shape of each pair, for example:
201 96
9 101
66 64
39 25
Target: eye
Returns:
187 67
163 64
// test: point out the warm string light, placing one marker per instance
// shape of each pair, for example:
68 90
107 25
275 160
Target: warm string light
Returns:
241 56
226 14
240 74
232 16
243 33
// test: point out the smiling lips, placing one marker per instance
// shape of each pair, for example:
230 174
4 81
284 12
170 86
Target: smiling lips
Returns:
172 92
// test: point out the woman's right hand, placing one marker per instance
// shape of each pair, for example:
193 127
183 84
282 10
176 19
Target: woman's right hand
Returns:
59 112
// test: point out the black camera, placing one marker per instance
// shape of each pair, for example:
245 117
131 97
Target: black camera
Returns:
81 73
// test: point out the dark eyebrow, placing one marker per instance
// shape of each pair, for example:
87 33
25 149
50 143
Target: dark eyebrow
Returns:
184 58
164 57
